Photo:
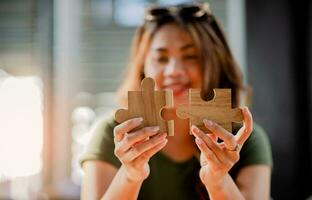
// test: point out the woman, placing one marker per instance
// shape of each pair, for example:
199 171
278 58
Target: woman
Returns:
181 47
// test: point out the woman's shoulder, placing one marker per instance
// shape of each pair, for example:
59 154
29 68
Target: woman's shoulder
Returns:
257 148
104 124
101 143
255 151
106 119
258 135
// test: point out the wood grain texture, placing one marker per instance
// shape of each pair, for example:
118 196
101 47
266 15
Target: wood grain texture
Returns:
219 109
148 104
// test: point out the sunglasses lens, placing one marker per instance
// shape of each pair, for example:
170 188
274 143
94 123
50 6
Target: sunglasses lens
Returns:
159 11
189 11
186 12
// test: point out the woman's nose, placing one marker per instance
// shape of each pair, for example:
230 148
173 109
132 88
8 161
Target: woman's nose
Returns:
174 68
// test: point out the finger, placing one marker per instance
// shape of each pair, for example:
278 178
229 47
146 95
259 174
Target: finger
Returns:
146 156
213 137
227 137
208 154
244 132
213 146
121 129
137 137
138 150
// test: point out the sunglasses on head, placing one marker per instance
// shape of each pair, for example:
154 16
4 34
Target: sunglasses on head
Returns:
184 11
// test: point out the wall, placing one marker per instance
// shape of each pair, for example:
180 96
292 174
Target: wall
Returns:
278 68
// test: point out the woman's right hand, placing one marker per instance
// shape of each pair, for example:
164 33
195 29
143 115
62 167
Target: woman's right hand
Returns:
134 149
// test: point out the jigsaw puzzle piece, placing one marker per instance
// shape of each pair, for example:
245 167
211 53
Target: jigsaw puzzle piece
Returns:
218 109
165 99
121 115
221 98
196 114
147 104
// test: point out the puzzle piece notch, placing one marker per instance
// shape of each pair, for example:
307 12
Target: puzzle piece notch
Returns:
148 103
168 113
218 109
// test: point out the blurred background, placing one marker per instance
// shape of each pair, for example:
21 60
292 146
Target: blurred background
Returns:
62 60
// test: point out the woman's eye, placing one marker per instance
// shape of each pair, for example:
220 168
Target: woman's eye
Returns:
162 59
190 57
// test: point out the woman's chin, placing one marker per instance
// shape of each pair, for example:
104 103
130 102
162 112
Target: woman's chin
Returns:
180 98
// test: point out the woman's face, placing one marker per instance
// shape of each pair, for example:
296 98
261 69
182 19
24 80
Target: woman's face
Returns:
173 61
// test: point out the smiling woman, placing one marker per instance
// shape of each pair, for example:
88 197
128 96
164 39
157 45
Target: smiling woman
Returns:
180 47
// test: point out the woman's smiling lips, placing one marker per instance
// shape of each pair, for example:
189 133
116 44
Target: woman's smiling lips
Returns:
177 89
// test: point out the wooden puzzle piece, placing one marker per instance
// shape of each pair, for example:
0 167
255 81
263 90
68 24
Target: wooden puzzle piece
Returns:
219 109
168 113
148 104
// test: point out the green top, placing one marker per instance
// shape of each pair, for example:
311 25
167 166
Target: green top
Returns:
169 179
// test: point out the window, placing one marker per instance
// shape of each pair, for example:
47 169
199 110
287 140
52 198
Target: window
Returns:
21 132
129 13
21 101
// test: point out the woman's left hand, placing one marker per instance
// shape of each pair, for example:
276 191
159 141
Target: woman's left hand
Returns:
218 158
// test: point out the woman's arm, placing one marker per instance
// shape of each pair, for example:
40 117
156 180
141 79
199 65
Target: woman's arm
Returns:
254 182
102 178
97 177
224 189
122 187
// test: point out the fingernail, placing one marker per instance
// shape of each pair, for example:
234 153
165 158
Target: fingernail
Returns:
139 119
160 135
165 141
198 141
154 128
208 122
194 128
